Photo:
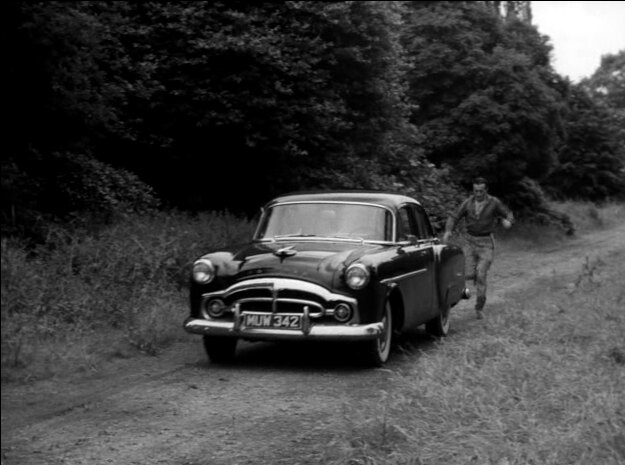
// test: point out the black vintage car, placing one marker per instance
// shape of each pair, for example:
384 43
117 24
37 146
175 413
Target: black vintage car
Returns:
332 266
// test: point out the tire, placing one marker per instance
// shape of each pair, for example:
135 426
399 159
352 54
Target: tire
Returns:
220 349
377 351
439 326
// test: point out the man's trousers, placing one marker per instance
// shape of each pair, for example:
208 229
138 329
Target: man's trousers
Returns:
479 253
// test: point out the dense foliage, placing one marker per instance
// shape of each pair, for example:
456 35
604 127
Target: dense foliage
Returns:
487 103
222 105
592 161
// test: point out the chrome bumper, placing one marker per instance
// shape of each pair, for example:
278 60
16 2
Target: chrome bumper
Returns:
335 332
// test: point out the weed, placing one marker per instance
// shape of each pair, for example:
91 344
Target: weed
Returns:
584 216
540 382
127 279
587 216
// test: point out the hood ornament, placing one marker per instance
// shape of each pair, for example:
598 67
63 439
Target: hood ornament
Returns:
285 252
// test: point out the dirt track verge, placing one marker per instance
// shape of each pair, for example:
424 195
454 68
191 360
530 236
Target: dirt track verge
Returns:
276 402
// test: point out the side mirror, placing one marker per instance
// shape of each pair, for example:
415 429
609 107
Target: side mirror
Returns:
410 239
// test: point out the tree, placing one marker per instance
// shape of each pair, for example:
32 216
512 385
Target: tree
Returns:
209 101
485 97
269 96
59 105
592 156
607 84
56 98
607 87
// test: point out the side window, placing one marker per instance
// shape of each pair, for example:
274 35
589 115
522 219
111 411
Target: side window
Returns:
423 224
388 227
405 224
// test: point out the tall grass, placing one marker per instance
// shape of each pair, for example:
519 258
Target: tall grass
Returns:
539 382
85 296
585 216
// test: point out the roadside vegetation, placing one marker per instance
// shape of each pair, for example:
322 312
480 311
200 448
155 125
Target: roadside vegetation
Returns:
124 112
144 134
540 383
86 296
583 216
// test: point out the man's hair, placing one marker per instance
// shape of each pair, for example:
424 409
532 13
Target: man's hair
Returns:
480 181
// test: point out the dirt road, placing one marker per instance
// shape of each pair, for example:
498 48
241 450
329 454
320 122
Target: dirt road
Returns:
275 403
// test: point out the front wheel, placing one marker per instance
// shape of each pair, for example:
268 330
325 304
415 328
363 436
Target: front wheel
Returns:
439 325
220 349
377 351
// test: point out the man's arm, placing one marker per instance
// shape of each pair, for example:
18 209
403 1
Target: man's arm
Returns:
506 213
453 220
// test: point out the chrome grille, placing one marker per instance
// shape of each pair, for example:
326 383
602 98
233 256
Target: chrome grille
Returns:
279 306
249 293
281 295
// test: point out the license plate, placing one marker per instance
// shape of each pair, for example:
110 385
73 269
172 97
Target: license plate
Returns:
273 320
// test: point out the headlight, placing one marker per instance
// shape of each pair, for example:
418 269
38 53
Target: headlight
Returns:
203 271
357 276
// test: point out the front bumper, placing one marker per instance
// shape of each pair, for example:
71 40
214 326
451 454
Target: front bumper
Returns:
314 303
322 332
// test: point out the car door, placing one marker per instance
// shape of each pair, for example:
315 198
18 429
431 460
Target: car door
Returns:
414 268
427 241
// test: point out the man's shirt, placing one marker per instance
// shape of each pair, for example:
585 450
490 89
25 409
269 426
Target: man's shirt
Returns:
484 222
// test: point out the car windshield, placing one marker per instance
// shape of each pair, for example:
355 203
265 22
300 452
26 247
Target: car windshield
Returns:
327 220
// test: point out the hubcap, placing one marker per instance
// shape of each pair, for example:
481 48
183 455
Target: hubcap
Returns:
385 338
445 319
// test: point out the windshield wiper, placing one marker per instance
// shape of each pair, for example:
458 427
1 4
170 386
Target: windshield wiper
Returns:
282 236
345 236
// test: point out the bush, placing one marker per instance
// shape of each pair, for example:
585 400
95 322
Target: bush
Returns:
532 205
125 281
66 186
416 178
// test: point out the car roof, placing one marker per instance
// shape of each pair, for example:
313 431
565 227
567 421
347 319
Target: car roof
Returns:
386 199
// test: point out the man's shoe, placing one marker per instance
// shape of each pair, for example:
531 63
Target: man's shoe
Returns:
480 314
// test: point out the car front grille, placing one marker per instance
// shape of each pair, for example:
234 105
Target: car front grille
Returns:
279 306
281 295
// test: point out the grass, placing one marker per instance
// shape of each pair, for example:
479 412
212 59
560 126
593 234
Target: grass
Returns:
585 216
588 216
541 382
87 296
84 297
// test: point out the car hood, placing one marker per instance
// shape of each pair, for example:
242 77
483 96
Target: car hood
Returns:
316 261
